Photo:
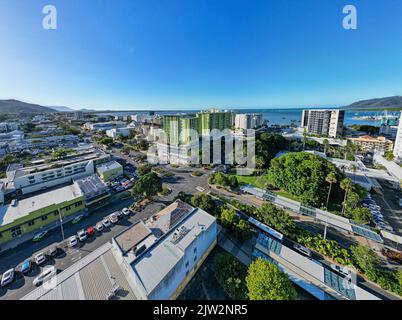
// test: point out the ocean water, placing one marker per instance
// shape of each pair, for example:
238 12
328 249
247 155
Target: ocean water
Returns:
279 116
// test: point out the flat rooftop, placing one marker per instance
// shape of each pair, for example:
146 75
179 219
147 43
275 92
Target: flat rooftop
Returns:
24 207
108 166
166 219
133 236
85 156
155 263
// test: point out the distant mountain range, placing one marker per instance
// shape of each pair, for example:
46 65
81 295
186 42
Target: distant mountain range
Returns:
16 106
63 109
394 102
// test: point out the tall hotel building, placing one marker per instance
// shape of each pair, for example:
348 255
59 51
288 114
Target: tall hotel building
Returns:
323 122
398 142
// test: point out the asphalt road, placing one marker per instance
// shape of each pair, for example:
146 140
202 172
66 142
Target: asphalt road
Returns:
390 209
180 181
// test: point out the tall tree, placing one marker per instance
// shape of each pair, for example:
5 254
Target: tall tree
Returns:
148 185
346 185
326 145
266 282
331 179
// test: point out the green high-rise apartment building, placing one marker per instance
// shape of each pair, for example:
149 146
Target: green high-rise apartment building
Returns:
214 119
176 125
203 123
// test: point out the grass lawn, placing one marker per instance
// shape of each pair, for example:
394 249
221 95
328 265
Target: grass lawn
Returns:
257 181
261 182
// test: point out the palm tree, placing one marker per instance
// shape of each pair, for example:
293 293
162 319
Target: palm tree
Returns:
326 145
346 184
331 178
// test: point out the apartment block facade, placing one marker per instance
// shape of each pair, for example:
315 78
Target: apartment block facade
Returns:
323 122
398 143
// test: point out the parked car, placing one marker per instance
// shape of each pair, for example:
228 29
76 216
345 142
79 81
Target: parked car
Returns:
90 231
126 211
72 241
40 258
106 223
119 214
7 277
99 227
26 266
45 275
113 218
53 251
77 219
82 235
40 236
305 251
119 189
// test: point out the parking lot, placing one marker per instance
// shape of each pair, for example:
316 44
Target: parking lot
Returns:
377 212
67 256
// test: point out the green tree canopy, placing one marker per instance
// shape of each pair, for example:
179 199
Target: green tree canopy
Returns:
304 175
204 201
149 185
276 218
231 274
267 146
266 282
144 169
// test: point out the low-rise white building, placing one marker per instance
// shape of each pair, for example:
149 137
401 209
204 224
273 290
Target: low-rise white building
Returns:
143 264
119 132
101 126
46 175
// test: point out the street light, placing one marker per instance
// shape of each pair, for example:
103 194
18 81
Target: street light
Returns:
325 229
61 224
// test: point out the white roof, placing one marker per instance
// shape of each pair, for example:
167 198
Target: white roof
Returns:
108 166
24 207
149 268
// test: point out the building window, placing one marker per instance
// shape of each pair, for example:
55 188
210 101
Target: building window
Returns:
1 235
78 204
187 263
15 232
44 217
195 249
195 258
68 208
56 213
31 223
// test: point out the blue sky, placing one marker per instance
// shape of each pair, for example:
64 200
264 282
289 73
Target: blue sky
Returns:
184 54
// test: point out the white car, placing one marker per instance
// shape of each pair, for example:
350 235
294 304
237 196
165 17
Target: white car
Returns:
99 227
82 235
72 241
126 211
45 275
119 214
113 218
200 189
7 277
40 258
106 223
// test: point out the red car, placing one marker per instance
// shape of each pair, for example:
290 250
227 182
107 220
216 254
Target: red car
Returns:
91 231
